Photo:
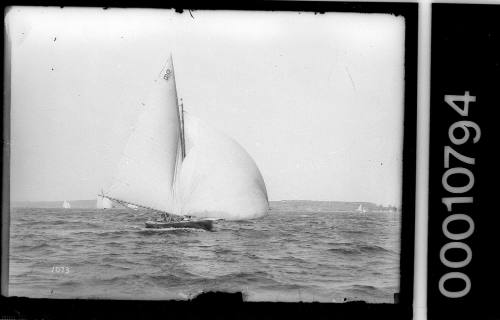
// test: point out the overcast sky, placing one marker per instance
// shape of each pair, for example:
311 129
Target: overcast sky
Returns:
316 100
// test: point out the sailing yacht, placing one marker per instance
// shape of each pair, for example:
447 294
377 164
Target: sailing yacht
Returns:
361 209
184 170
103 203
66 205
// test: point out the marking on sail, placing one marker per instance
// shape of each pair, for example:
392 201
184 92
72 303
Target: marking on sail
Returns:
168 74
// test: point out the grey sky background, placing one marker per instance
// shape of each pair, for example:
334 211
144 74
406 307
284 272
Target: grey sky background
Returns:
316 100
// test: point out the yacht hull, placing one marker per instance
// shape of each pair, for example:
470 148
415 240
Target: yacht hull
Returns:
194 224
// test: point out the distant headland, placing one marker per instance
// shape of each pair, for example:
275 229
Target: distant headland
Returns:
275 206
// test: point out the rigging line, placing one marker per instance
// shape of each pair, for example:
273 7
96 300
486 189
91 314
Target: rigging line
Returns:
138 205
122 204
174 178
179 109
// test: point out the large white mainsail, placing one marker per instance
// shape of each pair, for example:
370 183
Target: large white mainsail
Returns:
217 178
147 169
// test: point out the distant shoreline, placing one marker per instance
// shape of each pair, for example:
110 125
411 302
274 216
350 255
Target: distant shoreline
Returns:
278 205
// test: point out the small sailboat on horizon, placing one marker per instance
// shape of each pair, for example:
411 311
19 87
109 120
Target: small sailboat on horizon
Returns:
66 205
361 209
184 170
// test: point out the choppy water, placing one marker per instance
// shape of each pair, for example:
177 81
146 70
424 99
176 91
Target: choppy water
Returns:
286 256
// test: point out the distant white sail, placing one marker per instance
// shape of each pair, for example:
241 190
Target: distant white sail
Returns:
107 204
147 169
217 178
66 205
104 203
361 209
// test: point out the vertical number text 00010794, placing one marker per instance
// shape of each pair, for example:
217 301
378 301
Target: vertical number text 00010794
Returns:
471 133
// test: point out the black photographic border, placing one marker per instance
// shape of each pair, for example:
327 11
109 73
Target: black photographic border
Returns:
222 305
465 56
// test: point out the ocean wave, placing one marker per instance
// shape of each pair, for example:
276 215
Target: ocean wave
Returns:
374 249
223 251
346 251
241 278
122 279
92 225
112 233
70 283
115 244
365 290
283 286
170 279
253 234
133 227
86 233
37 246
363 287
51 223
115 265
355 232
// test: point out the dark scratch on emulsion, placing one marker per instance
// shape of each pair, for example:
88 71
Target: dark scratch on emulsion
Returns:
352 82
180 10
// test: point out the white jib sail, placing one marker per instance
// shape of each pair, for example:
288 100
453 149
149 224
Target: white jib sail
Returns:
218 177
147 169
107 204
104 203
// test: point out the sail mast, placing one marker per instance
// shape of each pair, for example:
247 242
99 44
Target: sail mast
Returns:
180 109
183 141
